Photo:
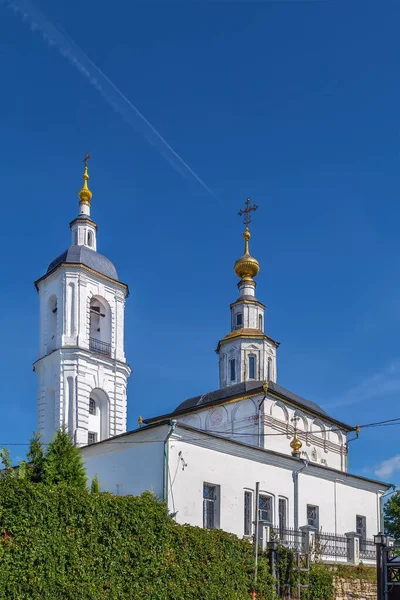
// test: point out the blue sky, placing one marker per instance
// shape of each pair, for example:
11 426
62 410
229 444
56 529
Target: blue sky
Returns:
295 104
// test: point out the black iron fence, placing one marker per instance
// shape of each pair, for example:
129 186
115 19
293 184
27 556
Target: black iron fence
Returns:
100 347
367 550
330 545
292 538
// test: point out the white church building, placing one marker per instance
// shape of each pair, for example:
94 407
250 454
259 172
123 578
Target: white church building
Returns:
208 457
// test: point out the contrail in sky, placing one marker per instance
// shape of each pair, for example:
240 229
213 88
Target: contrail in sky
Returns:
53 36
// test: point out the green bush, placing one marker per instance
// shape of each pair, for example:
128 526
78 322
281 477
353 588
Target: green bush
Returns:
60 542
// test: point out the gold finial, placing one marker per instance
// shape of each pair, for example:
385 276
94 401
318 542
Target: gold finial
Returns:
247 267
265 386
295 445
140 421
85 195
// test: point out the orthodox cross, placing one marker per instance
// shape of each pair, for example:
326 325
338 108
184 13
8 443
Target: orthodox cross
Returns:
246 212
86 159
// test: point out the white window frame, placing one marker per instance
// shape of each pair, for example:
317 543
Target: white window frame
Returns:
92 406
271 508
95 438
211 506
316 525
248 513
285 524
254 358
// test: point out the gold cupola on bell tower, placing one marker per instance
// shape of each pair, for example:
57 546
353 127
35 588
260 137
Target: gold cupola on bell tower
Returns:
85 195
247 267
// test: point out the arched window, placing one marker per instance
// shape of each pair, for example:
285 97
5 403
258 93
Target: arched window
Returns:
92 406
260 322
252 366
269 369
98 423
90 238
100 326
51 323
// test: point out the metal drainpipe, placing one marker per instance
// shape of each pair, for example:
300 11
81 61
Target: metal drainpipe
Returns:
295 476
172 425
260 404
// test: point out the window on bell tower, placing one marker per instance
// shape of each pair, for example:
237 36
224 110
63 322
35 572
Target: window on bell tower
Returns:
239 320
252 367
260 322
232 369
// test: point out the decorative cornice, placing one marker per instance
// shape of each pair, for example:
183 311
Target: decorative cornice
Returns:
246 333
235 448
247 301
84 267
81 219
87 354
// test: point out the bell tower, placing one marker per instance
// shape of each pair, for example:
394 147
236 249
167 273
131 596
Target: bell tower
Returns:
246 353
82 371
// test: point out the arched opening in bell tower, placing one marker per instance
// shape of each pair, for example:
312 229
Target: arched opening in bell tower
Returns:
100 326
98 422
51 323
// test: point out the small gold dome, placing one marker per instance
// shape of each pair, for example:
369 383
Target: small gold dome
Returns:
85 195
246 267
295 444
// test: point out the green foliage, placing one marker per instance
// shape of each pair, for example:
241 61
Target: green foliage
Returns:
35 458
392 515
356 572
63 462
320 583
95 486
5 458
60 542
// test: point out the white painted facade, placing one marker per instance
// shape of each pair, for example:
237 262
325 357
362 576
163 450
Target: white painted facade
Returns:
263 420
135 462
82 371
247 353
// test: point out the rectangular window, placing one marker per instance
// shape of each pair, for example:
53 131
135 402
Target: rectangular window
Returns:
232 369
210 506
361 527
252 367
92 437
313 516
248 512
265 508
282 514
92 407
239 320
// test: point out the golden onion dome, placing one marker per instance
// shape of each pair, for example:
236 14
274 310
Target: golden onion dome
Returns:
246 267
85 195
295 444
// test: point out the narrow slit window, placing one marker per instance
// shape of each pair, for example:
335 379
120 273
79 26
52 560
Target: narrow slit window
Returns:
239 320
232 369
260 322
248 512
282 515
252 367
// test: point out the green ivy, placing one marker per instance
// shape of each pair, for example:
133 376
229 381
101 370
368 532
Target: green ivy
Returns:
61 542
